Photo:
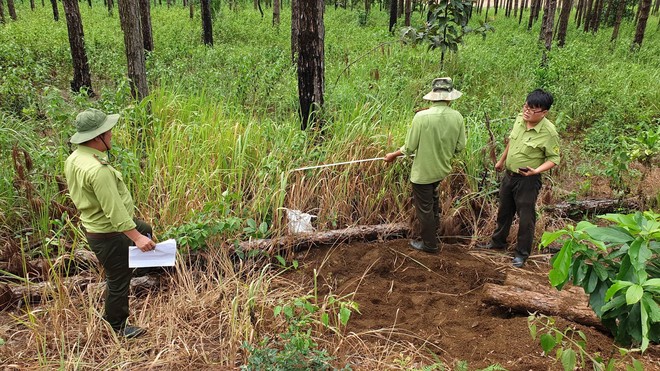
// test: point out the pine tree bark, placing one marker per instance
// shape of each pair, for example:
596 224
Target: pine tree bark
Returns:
564 17
81 76
587 14
548 24
110 4
129 16
617 21
367 6
12 9
311 63
145 25
56 11
191 8
207 24
644 10
534 4
276 13
32 5
578 13
596 16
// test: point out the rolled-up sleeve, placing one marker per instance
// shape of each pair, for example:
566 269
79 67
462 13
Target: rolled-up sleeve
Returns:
106 189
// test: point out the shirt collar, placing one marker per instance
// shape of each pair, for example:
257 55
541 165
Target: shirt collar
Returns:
93 151
439 103
537 128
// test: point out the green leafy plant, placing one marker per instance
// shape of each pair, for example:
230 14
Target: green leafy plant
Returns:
619 268
570 345
254 230
194 234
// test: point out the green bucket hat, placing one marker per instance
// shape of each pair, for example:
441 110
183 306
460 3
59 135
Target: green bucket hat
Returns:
443 89
90 123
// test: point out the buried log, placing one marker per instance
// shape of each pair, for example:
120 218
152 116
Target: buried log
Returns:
567 305
304 240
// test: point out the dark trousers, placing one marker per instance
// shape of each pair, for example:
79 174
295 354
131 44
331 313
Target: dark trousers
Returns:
518 195
112 253
427 206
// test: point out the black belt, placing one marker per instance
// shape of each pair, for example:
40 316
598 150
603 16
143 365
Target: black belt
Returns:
95 235
513 174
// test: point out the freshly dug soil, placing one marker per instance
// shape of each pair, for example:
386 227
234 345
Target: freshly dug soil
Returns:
434 301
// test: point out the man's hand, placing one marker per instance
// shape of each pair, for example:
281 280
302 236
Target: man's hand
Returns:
499 166
390 157
144 243
528 171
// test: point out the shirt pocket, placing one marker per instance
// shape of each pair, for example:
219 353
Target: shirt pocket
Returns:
533 150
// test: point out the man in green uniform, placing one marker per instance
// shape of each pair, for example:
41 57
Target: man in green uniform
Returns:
106 211
435 136
533 148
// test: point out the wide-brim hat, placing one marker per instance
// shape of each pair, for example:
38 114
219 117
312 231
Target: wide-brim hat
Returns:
91 123
443 89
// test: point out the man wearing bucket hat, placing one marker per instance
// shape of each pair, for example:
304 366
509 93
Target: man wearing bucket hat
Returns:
533 148
106 211
435 136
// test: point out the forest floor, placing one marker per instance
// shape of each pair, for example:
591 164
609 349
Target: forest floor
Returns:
434 301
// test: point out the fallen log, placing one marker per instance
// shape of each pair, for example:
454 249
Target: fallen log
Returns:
36 292
572 209
526 301
304 240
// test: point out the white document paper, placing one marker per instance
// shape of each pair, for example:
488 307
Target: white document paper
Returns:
162 256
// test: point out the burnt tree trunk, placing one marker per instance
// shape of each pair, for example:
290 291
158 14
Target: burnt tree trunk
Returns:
408 12
207 24
311 63
392 14
276 13
129 16
12 9
533 6
644 10
56 11
81 76
564 17
145 25
191 8
617 21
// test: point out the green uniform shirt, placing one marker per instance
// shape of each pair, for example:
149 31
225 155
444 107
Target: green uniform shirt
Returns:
98 191
532 147
435 136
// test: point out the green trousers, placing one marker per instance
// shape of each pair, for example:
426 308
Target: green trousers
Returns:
112 253
427 206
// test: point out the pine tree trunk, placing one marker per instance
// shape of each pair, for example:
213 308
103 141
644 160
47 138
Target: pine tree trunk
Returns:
295 29
587 14
56 11
532 9
32 6
191 8
549 23
617 21
129 16
2 12
110 4
367 6
276 13
524 6
145 25
12 9
408 12
311 63
596 16
81 76
578 13
207 24
644 10
393 12
543 22
564 18
496 6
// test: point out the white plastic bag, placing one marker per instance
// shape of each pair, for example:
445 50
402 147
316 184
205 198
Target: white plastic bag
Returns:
299 222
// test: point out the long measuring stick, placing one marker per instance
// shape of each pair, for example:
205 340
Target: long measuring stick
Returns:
341 163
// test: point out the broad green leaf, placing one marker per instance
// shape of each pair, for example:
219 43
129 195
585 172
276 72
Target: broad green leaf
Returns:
616 302
597 297
652 307
637 365
559 273
584 225
568 359
281 260
550 237
645 326
325 319
626 221
618 285
277 310
547 343
610 235
344 315
592 282
653 282
601 271
634 294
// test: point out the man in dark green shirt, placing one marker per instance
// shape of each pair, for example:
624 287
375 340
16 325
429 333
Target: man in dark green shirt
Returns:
435 136
106 211
533 148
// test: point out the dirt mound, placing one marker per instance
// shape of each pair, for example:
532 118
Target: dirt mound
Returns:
435 303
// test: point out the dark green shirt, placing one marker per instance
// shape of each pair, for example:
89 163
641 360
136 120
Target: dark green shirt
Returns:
436 134
532 147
